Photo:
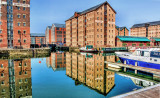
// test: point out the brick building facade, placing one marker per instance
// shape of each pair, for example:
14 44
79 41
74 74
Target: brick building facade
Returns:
122 31
127 41
38 39
15 23
56 34
94 26
48 34
150 29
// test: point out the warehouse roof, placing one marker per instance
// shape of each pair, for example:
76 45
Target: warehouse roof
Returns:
143 24
132 38
156 39
121 28
92 9
49 27
37 35
60 25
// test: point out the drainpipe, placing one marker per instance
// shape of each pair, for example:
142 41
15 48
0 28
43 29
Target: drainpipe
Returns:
124 32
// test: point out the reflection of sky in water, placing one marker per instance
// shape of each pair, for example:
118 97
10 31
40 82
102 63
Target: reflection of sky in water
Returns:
47 83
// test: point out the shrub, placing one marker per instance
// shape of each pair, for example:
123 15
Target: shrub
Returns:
140 44
133 44
148 44
124 44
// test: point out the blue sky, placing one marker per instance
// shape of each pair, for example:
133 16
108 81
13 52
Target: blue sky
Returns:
129 12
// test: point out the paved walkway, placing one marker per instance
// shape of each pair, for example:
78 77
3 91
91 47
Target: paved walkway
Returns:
149 92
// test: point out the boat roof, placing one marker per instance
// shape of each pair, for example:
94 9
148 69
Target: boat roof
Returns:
151 49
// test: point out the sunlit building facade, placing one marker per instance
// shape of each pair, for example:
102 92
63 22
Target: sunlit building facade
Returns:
122 31
94 26
56 34
149 29
14 23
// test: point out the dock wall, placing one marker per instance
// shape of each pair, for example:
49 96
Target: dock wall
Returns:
20 53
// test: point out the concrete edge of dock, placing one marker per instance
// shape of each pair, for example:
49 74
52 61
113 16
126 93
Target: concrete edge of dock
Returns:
24 53
138 91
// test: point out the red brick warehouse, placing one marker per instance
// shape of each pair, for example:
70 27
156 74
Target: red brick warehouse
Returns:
15 23
56 34
38 39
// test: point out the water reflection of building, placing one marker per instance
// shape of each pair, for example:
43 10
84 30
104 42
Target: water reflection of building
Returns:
89 70
15 79
57 61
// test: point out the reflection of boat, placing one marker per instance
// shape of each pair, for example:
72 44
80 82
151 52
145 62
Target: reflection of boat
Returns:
88 49
87 55
149 58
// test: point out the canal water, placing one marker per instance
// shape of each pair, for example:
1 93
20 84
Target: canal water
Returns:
66 75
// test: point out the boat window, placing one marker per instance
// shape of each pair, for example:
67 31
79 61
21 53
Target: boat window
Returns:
138 53
146 54
155 60
142 53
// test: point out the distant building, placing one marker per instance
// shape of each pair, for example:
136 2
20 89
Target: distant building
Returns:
14 23
38 38
150 29
56 34
155 41
48 34
126 41
94 26
122 31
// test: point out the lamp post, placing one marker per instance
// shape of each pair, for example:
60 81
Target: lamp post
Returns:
21 35
19 32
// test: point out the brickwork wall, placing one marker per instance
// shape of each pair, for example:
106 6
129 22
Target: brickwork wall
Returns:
3 27
38 40
110 27
68 33
90 30
24 36
81 31
95 28
74 32
99 27
121 43
19 16
139 32
153 31
122 32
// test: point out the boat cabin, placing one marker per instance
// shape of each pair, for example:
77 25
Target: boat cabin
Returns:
147 53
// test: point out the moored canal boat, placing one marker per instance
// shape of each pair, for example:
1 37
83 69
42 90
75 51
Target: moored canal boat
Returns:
88 49
149 58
